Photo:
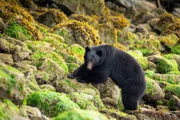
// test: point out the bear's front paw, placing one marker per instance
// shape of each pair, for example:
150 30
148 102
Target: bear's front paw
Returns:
82 81
71 76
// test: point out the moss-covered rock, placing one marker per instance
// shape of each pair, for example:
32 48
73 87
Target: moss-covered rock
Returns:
173 57
148 46
172 79
117 115
173 103
77 51
84 101
31 113
139 57
89 7
39 56
172 90
17 31
50 103
6 58
168 24
83 33
164 65
149 73
12 84
52 70
169 40
78 114
110 94
51 17
8 110
72 67
127 38
176 49
153 91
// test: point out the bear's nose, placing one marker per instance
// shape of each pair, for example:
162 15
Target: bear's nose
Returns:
89 65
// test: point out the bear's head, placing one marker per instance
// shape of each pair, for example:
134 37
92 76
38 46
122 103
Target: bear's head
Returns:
92 57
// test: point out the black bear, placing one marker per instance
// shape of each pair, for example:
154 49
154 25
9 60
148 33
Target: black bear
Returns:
106 61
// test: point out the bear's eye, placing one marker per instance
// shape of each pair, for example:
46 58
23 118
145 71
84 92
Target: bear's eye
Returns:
99 53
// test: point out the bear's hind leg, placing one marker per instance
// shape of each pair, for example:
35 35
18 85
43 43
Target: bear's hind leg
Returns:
129 101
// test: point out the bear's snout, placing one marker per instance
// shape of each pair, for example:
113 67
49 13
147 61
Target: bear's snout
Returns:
90 65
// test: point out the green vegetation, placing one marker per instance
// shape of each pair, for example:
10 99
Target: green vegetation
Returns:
164 65
78 114
50 103
17 31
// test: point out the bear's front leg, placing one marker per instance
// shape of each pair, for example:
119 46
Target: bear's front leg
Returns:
81 74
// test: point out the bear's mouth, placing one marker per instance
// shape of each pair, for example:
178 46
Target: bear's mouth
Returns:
90 65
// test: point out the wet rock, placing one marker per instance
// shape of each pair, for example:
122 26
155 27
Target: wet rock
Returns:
148 114
143 17
50 103
143 28
52 17
158 11
6 58
82 7
153 90
139 5
154 58
2 25
5 46
32 113
20 53
167 24
152 66
28 70
116 114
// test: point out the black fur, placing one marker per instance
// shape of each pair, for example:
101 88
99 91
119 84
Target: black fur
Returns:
122 68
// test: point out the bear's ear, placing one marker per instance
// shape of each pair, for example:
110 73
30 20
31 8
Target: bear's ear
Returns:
88 49
99 52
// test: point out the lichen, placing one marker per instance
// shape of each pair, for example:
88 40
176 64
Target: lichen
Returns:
50 103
